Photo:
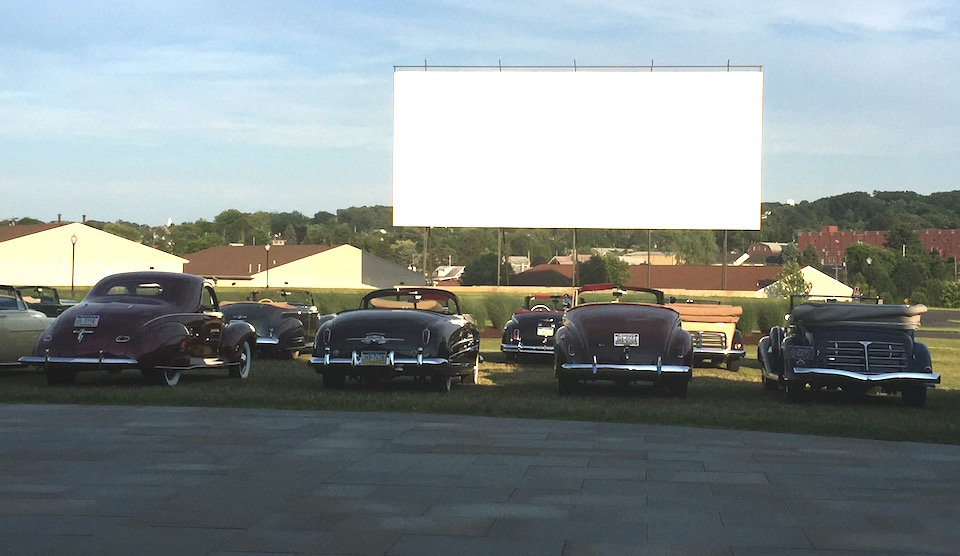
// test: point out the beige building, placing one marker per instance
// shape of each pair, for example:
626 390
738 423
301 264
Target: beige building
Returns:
298 266
73 254
820 285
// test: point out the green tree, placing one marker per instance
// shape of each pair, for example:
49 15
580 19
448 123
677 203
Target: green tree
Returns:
790 281
902 239
124 230
482 271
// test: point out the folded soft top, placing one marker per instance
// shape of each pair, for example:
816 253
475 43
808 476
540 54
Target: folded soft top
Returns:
853 314
694 312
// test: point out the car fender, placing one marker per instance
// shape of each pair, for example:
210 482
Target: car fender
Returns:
163 343
232 337
921 358
776 343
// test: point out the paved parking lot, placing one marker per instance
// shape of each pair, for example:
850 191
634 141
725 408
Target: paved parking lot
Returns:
147 480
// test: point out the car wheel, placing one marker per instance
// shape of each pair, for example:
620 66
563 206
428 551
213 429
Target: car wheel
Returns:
442 383
914 396
332 380
160 377
60 377
241 369
733 364
474 375
678 388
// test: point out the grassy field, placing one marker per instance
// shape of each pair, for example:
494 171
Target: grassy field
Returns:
717 398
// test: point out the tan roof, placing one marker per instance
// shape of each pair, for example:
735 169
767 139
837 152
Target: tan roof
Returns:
242 261
13 232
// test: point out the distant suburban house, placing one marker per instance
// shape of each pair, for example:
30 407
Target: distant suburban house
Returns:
765 252
821 284
518 264
447 275
301 266
61 254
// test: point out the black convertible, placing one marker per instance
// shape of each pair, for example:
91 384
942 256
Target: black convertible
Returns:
849 345
286 321
398 332
623 342
531 328
161 323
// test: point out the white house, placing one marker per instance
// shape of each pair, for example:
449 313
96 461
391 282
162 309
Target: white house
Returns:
61 254
821 285
298 266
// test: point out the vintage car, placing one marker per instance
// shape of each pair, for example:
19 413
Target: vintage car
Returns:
45 299
623 342
161 323
418 332
850 345
531 328
20 327
713 331
286 321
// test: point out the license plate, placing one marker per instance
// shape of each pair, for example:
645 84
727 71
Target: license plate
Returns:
800 356
626 339
83 321
373 358
545 331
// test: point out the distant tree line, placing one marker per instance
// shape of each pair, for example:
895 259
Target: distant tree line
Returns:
916 276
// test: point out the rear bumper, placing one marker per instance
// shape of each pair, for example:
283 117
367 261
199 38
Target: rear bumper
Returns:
81 363
520 348
615 372
393 360
710 352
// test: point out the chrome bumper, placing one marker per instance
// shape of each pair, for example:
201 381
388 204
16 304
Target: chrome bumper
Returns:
95 362
723 352
807 372
392 360
515 348
624 370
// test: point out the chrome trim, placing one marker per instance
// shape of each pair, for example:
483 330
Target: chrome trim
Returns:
392 360
707 351
513 348
599 367
883 377
98 361
268 341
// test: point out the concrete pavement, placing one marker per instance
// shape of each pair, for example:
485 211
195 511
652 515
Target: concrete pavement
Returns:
150 480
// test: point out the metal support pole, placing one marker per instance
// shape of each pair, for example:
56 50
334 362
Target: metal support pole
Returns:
574 278
499 253
426 248
723 273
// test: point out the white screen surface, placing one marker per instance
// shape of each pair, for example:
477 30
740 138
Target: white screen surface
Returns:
586 149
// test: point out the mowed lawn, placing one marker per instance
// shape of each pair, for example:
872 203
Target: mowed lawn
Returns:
717 398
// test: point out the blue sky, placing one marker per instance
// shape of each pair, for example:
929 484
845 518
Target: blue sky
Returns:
144 111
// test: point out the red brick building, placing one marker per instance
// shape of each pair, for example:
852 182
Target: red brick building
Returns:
832 244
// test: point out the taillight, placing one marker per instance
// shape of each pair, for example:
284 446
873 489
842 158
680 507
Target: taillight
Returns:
425 337
516 334
326 335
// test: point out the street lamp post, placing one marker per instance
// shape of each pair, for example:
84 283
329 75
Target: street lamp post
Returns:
267 248
869 262
73 259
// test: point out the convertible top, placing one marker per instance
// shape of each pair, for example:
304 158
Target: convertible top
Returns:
905 317
694 312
